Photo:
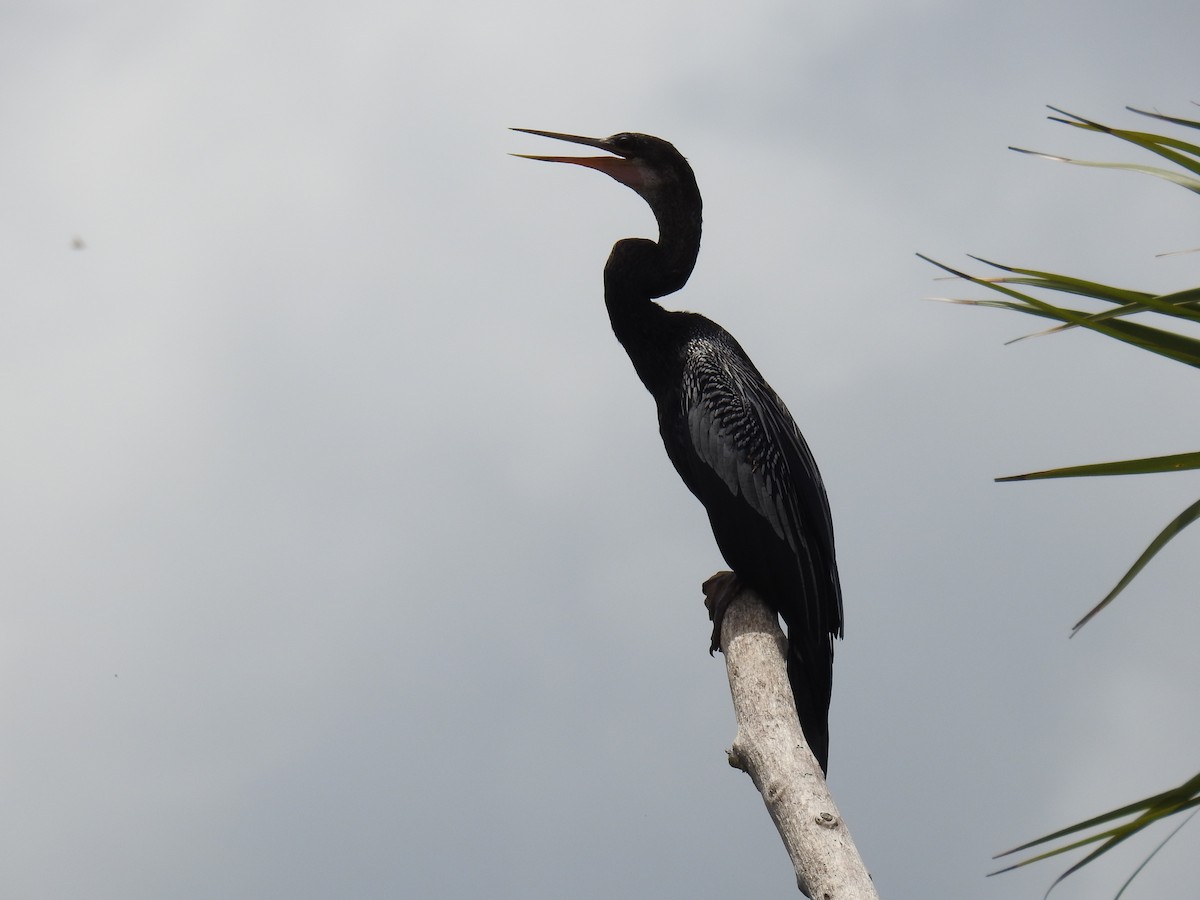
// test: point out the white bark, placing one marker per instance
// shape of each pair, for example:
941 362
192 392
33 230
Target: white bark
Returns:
770 747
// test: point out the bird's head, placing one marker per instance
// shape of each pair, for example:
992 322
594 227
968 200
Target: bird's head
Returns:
662 177
650 166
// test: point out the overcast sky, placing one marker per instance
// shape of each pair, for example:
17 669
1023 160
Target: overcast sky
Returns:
342 558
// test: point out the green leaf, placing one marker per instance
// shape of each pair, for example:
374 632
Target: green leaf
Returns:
1185 181
1174 121
1177 462
1156 340
1165 343
1148 811
1155 143
1180 522
1189 789
1067 284
1183 304
1153 853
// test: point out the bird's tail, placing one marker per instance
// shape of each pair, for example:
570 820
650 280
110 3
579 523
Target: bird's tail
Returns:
810 673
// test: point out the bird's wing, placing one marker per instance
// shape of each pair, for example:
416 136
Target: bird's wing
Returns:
741 430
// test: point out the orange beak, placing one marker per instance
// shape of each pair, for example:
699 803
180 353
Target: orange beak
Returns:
620 168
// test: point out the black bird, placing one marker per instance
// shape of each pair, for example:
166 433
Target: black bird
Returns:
729 435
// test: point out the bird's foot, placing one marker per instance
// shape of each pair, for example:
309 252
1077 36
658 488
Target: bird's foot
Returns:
718 591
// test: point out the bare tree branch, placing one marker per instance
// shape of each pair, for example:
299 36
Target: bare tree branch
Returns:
770 747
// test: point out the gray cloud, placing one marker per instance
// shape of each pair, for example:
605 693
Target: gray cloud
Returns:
343 558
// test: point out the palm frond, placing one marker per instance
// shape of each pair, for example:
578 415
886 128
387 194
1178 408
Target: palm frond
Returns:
1176 462
1141 815
1170 344
1176 525
1109 829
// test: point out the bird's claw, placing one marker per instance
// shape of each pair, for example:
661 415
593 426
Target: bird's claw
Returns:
718 591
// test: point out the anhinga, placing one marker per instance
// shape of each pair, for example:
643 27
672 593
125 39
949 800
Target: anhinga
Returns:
729 435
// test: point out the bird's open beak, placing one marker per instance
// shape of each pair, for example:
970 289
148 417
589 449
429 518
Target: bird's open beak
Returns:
618 167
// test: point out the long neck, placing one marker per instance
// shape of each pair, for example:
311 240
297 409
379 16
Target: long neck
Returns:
678 213
639 270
